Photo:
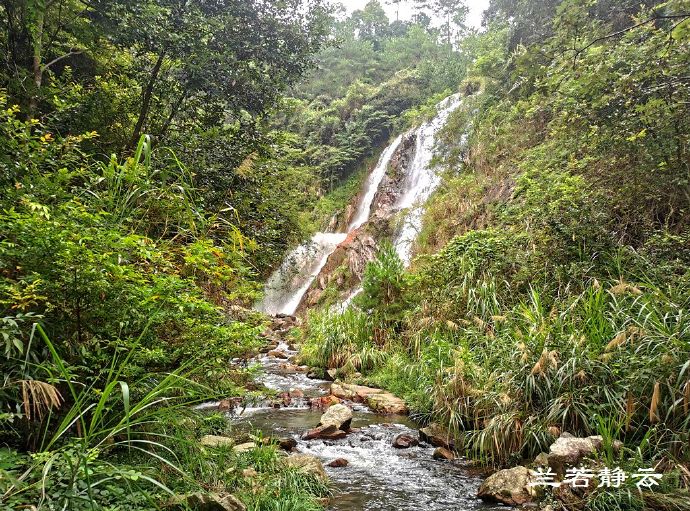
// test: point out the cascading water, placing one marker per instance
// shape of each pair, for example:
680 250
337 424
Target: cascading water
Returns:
421 179
372 186
286 287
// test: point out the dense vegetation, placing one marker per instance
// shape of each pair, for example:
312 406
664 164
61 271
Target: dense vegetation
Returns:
550 292
158 158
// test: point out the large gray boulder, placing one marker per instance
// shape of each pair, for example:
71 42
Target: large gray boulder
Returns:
568 451
509 486
339 416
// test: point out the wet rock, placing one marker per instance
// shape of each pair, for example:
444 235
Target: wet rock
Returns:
320 432
508 487
287 443
216 441
441 453
436 435
568 450
245 447
331 374
338 415
376 399
320 403
338 463
206 502
336 435
307 464
278 354
296 393
228 404
404 441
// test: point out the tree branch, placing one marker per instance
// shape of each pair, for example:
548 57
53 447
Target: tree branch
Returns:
628 29
58 59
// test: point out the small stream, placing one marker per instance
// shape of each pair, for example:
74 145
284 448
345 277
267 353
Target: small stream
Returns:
378 477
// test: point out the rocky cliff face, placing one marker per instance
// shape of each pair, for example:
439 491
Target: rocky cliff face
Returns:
344 268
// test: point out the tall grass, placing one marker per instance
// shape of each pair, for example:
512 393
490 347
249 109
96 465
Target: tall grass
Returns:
612 360
75 439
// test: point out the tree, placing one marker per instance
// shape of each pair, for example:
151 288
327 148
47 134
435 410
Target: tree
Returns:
36 36
218 57
372 23
452 12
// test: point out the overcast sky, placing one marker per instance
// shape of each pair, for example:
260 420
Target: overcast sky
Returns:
474 17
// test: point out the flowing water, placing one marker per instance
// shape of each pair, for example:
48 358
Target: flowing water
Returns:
284 290
286 287
378 476
421 179
372 186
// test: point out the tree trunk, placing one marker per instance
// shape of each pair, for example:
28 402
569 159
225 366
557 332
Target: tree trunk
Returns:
37 43
146 100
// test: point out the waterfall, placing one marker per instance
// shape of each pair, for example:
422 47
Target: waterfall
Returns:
372 186
285 289
421 179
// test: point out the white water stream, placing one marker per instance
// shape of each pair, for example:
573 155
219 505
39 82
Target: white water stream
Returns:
421 180
284 290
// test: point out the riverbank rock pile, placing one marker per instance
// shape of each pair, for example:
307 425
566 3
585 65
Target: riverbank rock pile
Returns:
512 486
378 400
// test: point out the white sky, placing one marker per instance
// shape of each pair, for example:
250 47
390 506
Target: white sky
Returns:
474 18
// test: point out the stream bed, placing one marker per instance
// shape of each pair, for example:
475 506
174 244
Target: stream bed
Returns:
378 476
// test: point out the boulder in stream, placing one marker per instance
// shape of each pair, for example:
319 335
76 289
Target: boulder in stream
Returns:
509 486
436 435
319 403
338 415
441 453
338 463
404 441
308 464
329 432
287 443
